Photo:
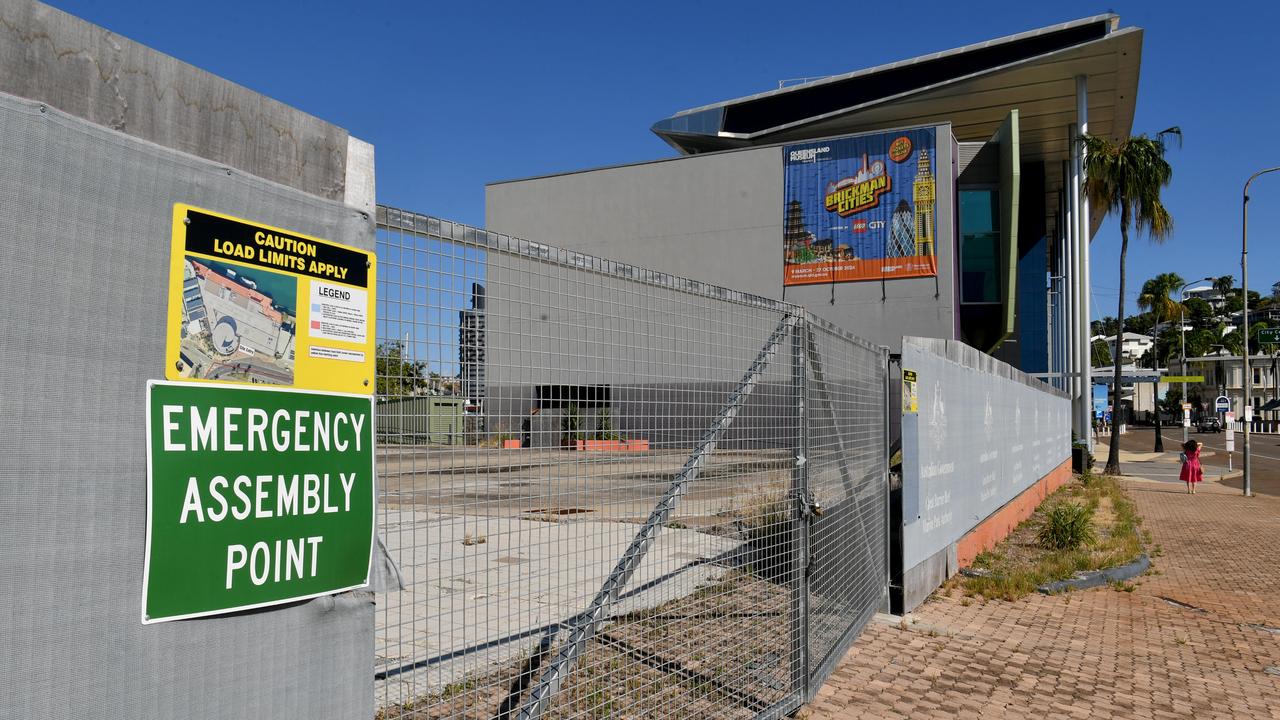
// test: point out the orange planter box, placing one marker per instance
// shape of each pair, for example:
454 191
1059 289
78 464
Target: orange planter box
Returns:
612 445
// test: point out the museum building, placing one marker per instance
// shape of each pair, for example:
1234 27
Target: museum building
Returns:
938 196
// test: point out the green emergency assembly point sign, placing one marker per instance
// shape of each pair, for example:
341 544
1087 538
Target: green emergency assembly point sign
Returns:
255 497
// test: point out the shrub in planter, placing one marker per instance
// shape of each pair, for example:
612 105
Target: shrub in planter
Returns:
1067 526
570 426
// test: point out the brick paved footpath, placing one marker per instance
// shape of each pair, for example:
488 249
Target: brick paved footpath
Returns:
1097 653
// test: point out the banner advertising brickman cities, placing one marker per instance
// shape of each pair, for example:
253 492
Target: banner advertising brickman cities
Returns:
860 208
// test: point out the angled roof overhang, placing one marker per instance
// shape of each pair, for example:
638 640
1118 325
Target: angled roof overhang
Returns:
972 87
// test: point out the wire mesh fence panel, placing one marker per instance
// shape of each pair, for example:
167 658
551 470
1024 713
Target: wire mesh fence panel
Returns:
588 481
847 479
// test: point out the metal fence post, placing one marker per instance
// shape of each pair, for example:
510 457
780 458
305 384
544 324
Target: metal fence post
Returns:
800 488
888 464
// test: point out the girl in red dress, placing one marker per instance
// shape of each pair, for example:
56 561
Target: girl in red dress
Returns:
1191 471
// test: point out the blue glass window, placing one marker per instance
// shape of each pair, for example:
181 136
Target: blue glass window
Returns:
980 245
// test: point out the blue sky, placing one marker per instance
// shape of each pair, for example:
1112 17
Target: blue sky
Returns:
454 95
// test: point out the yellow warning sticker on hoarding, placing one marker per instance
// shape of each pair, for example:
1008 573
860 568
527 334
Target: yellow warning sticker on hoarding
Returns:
910 398
252 304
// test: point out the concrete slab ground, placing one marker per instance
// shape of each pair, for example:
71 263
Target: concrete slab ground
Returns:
1197 638
481 591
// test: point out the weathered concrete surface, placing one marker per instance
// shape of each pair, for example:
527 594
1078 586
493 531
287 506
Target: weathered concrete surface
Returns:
91 73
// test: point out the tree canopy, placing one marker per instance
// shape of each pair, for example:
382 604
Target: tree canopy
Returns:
399 375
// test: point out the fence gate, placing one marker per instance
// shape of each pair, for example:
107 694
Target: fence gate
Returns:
663 499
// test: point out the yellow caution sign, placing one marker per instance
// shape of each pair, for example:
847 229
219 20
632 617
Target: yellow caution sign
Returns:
253 304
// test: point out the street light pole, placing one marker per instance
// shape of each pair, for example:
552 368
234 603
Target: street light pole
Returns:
1244 291
1182 330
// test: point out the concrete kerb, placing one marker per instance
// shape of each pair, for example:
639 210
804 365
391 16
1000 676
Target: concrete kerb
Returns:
1095 578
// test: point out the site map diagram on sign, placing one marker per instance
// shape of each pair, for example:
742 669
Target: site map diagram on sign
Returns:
255 304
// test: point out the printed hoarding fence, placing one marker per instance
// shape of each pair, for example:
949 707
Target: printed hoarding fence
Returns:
861 208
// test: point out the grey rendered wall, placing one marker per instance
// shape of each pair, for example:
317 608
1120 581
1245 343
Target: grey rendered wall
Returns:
718 218
984 433
715 218
85 215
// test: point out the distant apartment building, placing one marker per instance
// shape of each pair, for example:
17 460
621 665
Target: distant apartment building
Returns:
471 347
1224 375
1132 346
1210 295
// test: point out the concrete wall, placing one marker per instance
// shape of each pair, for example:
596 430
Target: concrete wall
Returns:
984 434
105 138
91 73
718 218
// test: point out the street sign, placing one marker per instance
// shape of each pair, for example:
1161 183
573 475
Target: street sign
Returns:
1186 407
1269 335
1222 404
255 497
1186 416
1230 427
1182 379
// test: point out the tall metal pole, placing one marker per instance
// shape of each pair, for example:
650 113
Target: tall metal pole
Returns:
1082 205
1073 287
1244 291
1182 329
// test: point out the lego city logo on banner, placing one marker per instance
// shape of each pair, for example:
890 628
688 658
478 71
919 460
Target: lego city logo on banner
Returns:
259 305
861 209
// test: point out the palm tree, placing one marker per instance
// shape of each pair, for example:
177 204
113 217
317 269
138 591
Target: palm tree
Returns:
1155 298
1224 285
1127 177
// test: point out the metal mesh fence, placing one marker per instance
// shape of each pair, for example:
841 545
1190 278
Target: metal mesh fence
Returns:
612 492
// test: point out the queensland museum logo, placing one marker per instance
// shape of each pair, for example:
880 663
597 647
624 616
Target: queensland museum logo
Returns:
860 191
808 154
